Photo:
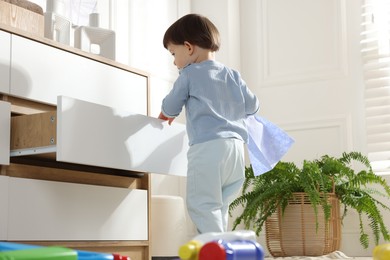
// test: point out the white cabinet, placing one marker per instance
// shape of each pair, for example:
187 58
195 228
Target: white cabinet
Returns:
47 210
3 207
5 55
67 193
41 72
5 125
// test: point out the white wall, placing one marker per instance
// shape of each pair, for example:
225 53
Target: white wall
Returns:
302 59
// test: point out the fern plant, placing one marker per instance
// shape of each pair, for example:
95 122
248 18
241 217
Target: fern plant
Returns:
262 195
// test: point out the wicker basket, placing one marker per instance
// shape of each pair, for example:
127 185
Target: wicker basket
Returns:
295 233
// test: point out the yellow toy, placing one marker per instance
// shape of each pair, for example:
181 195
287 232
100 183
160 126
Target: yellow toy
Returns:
381 252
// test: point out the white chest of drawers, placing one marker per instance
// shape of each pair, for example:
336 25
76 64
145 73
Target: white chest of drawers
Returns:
67 197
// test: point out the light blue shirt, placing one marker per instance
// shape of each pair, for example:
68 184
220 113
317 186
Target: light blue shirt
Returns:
216 99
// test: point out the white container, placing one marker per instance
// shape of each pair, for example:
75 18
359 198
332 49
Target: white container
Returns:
227 236
94 39
168 225
57 26
56 7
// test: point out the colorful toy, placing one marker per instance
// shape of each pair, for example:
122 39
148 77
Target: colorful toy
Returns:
15 251
42 253
233 250
381 252
234 245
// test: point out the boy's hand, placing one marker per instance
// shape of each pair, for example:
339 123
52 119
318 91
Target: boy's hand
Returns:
170 119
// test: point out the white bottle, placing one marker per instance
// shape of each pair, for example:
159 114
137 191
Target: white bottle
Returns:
227 236
57 26
94 39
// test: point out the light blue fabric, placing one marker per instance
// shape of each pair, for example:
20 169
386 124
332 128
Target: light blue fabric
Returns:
216 99
214 179
267 144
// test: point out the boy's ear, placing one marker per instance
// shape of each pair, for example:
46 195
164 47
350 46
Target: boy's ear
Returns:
189 47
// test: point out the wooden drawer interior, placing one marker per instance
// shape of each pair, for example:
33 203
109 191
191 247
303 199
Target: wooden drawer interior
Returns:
29 132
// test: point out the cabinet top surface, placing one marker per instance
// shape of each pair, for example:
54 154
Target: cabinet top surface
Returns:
52 43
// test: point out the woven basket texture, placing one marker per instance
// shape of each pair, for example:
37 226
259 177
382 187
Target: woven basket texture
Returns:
295 233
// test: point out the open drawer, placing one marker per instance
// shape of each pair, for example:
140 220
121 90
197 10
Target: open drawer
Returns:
85 133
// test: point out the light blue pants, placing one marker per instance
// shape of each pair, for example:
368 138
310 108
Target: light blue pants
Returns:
214 178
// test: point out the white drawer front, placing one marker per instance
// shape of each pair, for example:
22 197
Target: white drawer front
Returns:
3 207
5 131
5 63
97 135
46 210
45 72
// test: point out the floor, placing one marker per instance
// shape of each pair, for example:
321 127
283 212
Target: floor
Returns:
331 256
281 258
